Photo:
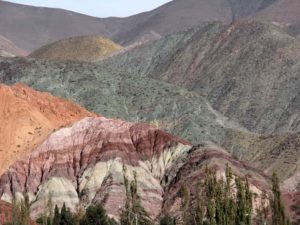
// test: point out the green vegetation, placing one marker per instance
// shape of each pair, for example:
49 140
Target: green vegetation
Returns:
228 202
278 212
216 202
20 211
167 220
133 212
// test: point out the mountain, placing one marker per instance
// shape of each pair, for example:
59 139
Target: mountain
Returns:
32 27
182 113
84 164
27 117
86 48
248 71
284 13
75 163
9 49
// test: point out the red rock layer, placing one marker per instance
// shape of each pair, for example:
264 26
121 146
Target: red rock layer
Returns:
27 117
70 152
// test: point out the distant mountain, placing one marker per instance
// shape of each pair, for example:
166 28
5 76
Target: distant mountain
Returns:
32 27
284 13
9 49
85 48
27 117
182 113
248 71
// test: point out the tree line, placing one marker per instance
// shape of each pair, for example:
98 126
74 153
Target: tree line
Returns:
226 201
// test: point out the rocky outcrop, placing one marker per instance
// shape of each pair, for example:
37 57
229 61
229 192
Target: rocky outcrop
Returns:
27 117
85 48
84 163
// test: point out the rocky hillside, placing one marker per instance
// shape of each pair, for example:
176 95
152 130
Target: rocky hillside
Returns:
9 49
85 163
86 48
284 13
27 117
32 27
248 71
132 98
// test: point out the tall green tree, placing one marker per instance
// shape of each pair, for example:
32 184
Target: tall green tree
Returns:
167 220
95 215
133 212
278 212
66 217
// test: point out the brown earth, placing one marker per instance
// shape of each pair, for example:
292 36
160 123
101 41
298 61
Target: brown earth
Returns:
7 48
32 27
85 48
27 117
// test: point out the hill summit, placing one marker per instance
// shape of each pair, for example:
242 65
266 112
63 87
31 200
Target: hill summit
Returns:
83 48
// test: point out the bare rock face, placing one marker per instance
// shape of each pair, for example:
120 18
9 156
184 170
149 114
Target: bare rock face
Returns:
84 163
27 117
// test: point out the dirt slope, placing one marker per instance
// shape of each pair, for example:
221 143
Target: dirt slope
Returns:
27 117
87 48
7 48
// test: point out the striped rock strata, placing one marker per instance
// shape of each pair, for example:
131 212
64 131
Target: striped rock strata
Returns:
84 163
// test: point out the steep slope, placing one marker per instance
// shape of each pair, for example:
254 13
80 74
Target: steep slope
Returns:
284 13
248 71
183 113
84 164
27 117
178 15
8 49
189 171
32 27
86 48
132 98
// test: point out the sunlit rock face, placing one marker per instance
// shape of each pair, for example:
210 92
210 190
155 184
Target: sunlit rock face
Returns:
84 163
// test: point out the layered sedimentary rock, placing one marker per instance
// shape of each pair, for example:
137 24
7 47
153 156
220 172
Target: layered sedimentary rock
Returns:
84 163
27 117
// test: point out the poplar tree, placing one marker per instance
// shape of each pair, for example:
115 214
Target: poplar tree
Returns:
278 212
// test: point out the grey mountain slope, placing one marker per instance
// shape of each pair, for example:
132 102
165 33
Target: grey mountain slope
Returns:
248 71
130 98
174 109
31 27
